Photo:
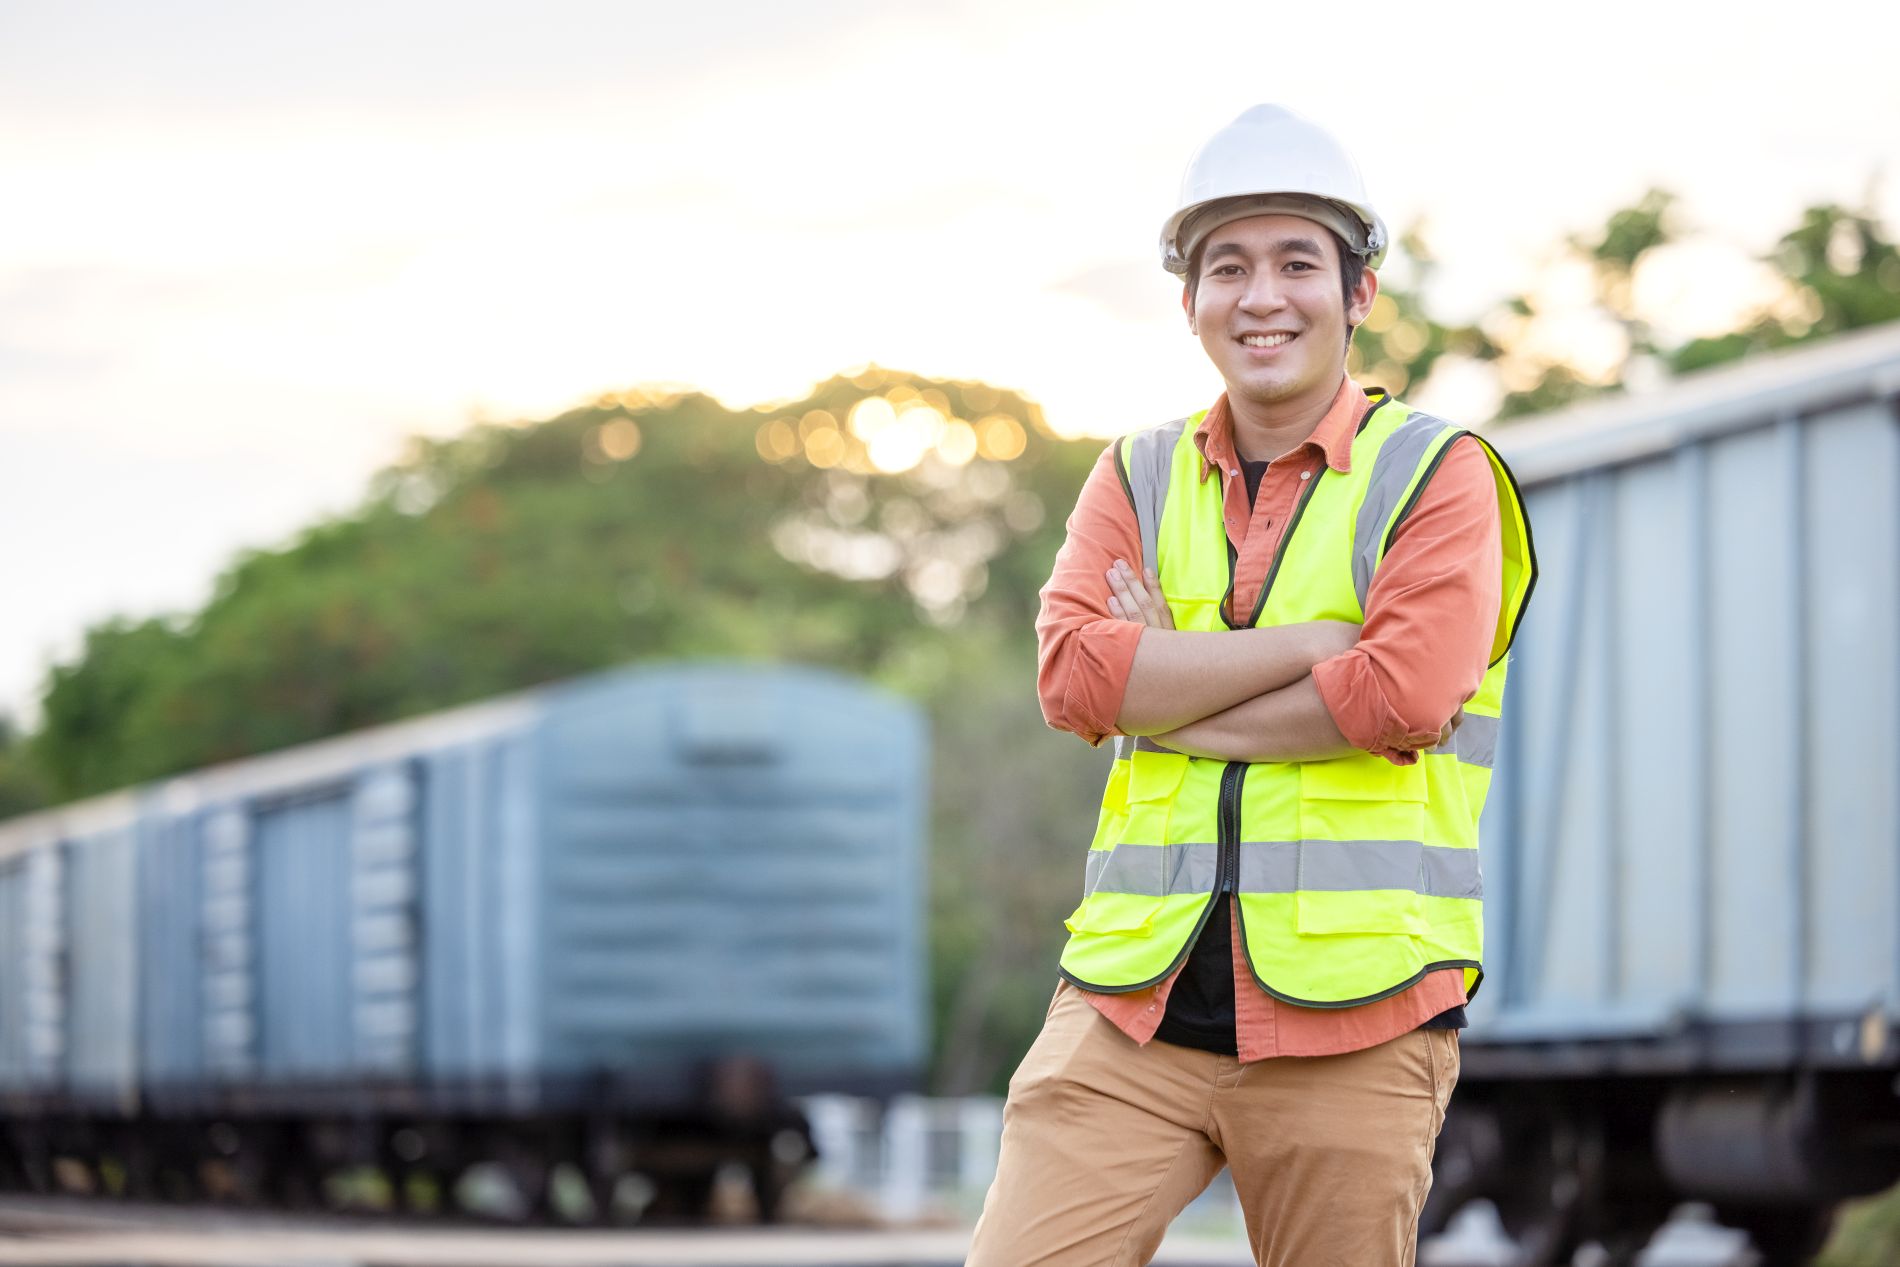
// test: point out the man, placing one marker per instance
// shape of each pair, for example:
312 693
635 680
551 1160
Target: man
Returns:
1292 612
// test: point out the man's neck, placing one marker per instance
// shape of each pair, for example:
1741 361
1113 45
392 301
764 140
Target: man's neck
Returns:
1264 432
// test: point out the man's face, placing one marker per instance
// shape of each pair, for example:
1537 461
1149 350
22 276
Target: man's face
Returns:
1268 308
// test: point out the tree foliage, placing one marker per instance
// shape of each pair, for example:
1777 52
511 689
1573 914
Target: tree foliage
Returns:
1838 270
635 527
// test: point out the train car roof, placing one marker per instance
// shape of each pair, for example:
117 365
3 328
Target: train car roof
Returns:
335 757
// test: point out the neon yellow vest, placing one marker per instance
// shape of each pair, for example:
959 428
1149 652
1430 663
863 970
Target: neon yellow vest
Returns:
1355 877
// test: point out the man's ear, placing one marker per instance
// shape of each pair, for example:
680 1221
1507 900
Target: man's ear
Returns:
1362 296
1187 304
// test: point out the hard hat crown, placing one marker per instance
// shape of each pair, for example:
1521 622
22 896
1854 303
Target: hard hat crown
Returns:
1271 150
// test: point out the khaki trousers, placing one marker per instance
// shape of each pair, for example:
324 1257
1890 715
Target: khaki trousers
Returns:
1105 1141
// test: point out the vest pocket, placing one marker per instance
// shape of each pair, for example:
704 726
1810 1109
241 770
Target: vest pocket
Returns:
1361 857
1146 795
1117 914
1153 780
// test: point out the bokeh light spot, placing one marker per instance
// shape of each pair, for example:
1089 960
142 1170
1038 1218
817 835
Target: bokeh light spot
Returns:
957 444
1405 340
870 417
777 440
1390 376
620 439
1384 313
1000 437
902 443
824 448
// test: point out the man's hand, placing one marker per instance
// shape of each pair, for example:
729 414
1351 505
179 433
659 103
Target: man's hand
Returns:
1451 727
1137 599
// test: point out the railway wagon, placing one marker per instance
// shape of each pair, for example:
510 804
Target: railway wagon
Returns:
1692 847
617 922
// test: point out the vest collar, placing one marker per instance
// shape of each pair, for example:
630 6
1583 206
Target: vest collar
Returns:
1333 436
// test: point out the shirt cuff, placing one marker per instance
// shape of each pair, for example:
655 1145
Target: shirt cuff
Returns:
1352 694
1098 678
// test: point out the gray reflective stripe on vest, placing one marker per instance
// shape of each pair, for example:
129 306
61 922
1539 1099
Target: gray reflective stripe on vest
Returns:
1475 742
1150 462
1336 866
1125 745
1391 473
1153 870
1287 866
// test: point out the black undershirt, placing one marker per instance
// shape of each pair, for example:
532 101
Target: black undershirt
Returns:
1201 1003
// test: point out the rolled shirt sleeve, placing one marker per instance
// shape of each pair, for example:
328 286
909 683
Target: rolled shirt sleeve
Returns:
1083 654
1431 614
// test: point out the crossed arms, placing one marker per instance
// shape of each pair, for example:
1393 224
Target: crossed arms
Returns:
1109 664
1239 695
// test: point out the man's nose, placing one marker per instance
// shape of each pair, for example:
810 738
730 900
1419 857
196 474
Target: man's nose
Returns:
1263 293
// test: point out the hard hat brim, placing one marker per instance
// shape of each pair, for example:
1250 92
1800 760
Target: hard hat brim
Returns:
1190 227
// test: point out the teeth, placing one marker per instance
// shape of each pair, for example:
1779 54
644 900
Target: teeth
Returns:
1265 340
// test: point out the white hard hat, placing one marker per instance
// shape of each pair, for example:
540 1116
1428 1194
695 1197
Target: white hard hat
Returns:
1272 160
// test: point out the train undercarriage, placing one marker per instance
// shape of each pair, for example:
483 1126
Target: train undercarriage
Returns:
1570 1161
589 1161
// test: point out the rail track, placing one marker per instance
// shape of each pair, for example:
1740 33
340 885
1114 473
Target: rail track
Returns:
77 1230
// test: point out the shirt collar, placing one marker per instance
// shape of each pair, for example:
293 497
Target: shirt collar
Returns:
1333 436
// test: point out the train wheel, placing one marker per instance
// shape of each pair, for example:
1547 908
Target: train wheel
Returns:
530 1177
12 1165
1543 1199
680 1198
36 1163
770 1179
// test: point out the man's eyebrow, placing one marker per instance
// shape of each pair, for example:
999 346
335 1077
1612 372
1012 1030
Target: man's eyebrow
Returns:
1280 246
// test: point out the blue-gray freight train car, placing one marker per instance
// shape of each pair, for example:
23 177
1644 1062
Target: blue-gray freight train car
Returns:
1692 848
618 922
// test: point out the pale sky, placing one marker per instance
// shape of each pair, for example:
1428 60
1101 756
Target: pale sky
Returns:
246 249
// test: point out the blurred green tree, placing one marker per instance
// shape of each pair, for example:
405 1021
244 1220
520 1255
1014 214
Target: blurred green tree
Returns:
22 786
636 527
1838 270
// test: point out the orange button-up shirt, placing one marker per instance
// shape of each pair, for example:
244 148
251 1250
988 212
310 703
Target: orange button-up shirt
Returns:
1430 614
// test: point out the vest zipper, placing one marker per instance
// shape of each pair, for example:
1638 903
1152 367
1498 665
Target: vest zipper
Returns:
1227 821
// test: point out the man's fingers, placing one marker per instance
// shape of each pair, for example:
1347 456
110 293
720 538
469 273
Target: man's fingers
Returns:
1136 596
1125 585
1121 597
1139 592
1163 612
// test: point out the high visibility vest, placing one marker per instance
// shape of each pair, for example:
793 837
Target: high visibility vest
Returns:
1355 877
